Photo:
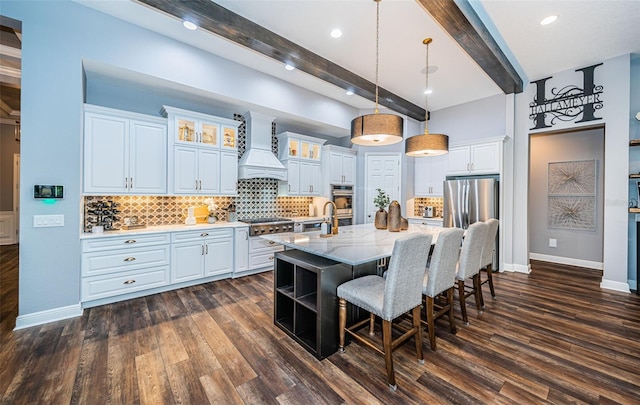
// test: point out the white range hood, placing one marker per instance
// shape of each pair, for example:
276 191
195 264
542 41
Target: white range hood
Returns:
258 161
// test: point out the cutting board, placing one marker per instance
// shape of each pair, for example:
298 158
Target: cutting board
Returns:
201 213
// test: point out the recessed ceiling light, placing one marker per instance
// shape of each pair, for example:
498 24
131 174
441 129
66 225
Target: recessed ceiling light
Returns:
289 67
336 33
428 91
349 93
189 25
549 20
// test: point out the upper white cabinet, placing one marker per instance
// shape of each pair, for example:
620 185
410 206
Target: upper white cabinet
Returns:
429 175
477 158
301 155
338 165
205 156
124 152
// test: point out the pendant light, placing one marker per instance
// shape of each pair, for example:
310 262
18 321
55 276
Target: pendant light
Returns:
427 144
377 129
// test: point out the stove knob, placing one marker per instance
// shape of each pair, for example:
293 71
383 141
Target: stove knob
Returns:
270 229
277 228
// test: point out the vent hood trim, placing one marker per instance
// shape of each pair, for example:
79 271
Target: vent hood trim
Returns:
258 160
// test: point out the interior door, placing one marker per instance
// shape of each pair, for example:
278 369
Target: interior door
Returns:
382 171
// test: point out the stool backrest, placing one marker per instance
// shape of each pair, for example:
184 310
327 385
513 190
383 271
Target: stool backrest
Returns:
471 253
441 274
403 286
489 242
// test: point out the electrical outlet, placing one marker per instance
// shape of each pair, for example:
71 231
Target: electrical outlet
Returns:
42 221
553 243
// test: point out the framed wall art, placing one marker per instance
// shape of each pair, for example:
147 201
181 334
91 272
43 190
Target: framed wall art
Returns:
572 195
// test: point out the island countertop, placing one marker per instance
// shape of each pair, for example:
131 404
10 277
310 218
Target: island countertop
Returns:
353 245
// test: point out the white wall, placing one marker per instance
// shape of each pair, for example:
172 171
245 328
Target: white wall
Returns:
614 75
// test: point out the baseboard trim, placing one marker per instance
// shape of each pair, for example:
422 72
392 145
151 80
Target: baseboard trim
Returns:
50 315
615 286
567 260
517 268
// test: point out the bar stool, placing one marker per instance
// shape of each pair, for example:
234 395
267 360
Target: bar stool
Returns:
389 299
486 264
440 278
469 267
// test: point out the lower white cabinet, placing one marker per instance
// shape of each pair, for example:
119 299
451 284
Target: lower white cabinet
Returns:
200 254
121 265
241 251
426 221
262 253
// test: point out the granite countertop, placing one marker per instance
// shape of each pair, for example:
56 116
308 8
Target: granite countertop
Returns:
163 228
356 244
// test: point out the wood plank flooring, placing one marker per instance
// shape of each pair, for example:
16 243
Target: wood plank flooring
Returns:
551 337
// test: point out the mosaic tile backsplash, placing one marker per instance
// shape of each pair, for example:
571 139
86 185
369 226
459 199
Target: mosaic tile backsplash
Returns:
421 202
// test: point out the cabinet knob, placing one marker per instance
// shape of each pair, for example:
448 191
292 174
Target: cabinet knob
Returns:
271 257
272 242
129 282
129 259
204 234
130 241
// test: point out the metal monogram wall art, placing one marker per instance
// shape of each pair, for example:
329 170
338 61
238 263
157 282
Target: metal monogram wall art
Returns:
572 195
567 103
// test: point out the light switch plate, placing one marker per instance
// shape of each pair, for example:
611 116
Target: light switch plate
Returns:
553 243
42 221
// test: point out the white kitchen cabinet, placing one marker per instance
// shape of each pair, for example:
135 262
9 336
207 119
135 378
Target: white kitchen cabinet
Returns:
201 254
262 254
339 165
241 251
426 221
124 153
479 158
301 155
122 265
196 171
429 175
205 157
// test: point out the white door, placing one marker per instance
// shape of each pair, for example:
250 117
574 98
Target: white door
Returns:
382 171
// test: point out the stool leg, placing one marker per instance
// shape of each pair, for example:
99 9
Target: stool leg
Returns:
463 304
452 320
372 321
388 354
478 292
490 278
431 322
418 334
342 321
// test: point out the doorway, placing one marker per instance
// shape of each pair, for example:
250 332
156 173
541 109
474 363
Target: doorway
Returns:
566 197
382 171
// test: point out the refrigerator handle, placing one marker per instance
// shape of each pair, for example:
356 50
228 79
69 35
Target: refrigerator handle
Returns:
465 199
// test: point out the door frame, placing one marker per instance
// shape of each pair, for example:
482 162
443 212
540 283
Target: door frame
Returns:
397 155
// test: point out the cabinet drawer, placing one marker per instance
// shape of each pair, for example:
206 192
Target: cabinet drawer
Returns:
122 283
257 244
203 233
122 242
257 260
124 259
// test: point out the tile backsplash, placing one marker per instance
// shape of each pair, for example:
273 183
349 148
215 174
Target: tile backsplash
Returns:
421 202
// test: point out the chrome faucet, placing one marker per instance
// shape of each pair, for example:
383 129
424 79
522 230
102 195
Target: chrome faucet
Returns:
334 217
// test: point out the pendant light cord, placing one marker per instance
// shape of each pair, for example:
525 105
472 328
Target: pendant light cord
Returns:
377 48
427 41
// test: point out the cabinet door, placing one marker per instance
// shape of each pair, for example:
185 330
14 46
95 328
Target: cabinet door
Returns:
106 151
485 158
335 168
185 176
186 261
229 173
293 177
208 171
148 158
208 135
349 169
315 179
186 130
218 257
420 176
241 250
459 160
229 137
438 166
310 178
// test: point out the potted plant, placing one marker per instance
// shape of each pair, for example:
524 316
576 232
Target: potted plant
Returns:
381 201
212 218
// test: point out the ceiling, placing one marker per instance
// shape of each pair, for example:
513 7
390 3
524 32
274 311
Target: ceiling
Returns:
586 32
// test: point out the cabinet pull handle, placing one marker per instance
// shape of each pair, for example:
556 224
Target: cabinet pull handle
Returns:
196 184
272 242
206 249
270 257
468 167
202 250
126 182
204 234
200 181
129 282
471 166
289 185
131 183
246 235
130 241
129 259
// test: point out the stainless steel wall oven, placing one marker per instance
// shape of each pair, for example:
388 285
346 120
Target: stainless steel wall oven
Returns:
342 197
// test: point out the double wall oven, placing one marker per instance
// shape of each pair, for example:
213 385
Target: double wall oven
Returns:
342 197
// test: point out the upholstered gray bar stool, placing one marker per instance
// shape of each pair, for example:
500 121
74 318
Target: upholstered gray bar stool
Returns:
389 299
486 264
469 267
440 278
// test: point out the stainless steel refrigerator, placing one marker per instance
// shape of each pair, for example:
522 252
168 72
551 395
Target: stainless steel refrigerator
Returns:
471 199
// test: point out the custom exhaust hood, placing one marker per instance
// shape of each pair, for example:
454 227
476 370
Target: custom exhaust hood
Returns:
258 161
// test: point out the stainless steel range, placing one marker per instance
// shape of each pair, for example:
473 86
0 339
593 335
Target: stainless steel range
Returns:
263 226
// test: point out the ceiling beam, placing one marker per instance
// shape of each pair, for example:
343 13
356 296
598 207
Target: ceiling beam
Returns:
218 20
465 27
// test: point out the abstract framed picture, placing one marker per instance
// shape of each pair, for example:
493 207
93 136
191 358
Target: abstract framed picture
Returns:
572 178
572 212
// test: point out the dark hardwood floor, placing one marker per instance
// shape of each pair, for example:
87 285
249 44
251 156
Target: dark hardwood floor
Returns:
550 337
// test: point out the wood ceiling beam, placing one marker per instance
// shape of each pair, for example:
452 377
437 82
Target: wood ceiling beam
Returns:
218 20
465 27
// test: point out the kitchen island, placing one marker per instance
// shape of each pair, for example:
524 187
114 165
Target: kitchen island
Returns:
308 273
